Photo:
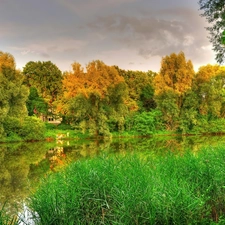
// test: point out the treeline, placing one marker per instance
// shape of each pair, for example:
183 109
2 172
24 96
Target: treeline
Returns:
101 99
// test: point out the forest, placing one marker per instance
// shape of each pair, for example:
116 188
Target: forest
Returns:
102 100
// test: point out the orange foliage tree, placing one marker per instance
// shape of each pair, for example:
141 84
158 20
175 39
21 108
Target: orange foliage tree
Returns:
94 96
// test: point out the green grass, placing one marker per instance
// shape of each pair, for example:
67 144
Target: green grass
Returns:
135 189
65 134
6 219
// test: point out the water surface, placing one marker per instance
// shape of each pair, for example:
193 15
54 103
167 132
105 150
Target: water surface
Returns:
22 165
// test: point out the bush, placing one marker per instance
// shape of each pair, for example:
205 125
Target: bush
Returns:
50 126
12 125
63 126
147 123
27 128
32 129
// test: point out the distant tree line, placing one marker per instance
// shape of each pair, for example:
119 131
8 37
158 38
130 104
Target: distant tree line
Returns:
99 100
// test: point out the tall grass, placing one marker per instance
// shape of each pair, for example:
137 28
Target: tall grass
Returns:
5 219
134 189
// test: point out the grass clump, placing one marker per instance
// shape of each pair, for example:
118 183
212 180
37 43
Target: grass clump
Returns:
5 219
187 189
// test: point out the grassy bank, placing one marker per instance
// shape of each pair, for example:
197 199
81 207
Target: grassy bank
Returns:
185 189
6 219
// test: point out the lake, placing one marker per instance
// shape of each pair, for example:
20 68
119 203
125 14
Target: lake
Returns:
22 165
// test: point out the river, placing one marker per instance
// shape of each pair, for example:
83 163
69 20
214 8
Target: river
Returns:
23 165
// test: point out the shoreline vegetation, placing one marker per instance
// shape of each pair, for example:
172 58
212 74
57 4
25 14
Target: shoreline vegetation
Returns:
182 188
106 102
103 101
55 133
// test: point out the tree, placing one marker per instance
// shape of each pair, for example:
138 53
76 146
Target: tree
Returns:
36 104
45 77
140 87
205 73
171 84
214 12
209 85
91 98
13 94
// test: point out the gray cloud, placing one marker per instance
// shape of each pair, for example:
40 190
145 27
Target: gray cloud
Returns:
115 31
152 36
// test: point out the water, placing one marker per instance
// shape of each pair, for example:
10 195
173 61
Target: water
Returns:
22 165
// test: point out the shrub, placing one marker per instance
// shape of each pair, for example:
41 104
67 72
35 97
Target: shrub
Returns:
63 126
147 123
12 125
32 129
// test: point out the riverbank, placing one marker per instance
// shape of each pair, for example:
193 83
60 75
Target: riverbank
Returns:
66 134
185 188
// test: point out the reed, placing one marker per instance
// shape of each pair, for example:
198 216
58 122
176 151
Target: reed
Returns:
135 189
6 219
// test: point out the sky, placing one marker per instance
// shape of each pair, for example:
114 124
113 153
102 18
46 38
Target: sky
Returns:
132 34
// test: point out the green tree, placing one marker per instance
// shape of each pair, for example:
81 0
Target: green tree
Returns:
140 89
147 123
214 12
13 94
189 114
211 91
46 78
36 104
167 103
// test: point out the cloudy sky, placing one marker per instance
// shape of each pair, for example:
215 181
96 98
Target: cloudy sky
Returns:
133 34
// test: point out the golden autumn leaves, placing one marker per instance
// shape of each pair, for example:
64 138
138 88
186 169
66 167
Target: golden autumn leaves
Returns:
97 78
176 74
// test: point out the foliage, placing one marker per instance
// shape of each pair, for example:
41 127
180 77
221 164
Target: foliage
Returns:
209 86
45 77
36 104
94 97
32 129
140 89
5 219
171 84
64 126
214 12
12 125
27 128
176 74
147 123
100 100
13 93
167 104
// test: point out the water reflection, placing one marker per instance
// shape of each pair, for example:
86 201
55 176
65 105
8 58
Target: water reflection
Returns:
22 165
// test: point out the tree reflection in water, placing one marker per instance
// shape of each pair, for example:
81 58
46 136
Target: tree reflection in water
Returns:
22 165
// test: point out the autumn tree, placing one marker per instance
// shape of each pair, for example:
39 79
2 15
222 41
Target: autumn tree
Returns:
94 97
214 12
171 84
